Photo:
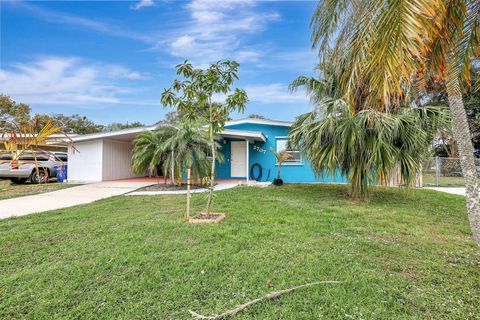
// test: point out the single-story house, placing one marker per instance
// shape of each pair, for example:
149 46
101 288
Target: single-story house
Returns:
245 144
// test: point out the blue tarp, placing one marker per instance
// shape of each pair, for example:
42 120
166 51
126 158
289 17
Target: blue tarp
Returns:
61 173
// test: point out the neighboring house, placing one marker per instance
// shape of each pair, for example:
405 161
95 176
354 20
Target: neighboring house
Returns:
54 142
245 142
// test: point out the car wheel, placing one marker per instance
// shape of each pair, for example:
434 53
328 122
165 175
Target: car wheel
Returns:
18 180
41 177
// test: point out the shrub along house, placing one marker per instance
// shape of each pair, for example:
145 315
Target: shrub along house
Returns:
244 143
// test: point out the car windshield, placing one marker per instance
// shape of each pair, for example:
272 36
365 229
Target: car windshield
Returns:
40 156
5 157
61 156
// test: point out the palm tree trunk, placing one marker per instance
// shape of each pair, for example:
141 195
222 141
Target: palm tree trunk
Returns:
462 136
212 173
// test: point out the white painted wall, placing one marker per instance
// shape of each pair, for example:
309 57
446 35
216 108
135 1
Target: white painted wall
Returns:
117 160
85 165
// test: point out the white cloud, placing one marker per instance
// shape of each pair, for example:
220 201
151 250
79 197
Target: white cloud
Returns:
247 55
120 72
274 93
303 60
218 29
63 18
143 4
66 80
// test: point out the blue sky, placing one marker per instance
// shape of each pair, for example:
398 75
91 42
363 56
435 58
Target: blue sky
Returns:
110 60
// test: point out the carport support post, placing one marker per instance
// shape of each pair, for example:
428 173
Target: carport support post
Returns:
246 141
189 174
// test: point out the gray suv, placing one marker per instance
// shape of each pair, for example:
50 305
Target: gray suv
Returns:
25 169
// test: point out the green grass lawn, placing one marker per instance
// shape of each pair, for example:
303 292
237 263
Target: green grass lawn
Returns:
11 190
403 255
445 181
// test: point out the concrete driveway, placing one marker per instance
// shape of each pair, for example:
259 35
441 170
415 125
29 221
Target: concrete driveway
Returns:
67 197
452 190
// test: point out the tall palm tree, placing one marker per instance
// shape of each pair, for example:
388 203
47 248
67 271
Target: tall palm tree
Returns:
384 49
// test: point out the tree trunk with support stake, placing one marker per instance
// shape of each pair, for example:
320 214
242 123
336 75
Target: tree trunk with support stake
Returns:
212 173
172 169
189 174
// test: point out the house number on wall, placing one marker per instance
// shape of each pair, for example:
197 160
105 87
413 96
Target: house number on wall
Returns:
258 149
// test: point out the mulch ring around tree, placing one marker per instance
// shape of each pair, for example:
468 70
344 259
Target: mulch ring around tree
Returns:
213 217
168 187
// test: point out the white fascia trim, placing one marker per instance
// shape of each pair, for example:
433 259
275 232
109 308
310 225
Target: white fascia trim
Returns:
112 134
244 134
260 121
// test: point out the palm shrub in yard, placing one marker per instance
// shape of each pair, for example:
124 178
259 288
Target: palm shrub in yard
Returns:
149 152
366 147
173 148
191 149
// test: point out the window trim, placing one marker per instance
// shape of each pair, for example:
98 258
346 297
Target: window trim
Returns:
298 162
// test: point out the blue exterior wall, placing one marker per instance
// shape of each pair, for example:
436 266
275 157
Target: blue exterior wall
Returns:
259 152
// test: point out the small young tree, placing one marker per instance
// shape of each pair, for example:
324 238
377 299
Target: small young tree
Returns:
192 96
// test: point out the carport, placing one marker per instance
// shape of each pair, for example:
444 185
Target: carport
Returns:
102 156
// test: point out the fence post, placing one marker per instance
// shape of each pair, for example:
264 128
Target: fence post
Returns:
438 163
419 179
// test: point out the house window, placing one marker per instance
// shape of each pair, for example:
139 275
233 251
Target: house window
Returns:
296 156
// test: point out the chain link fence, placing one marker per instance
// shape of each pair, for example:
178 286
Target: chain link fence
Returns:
444 172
